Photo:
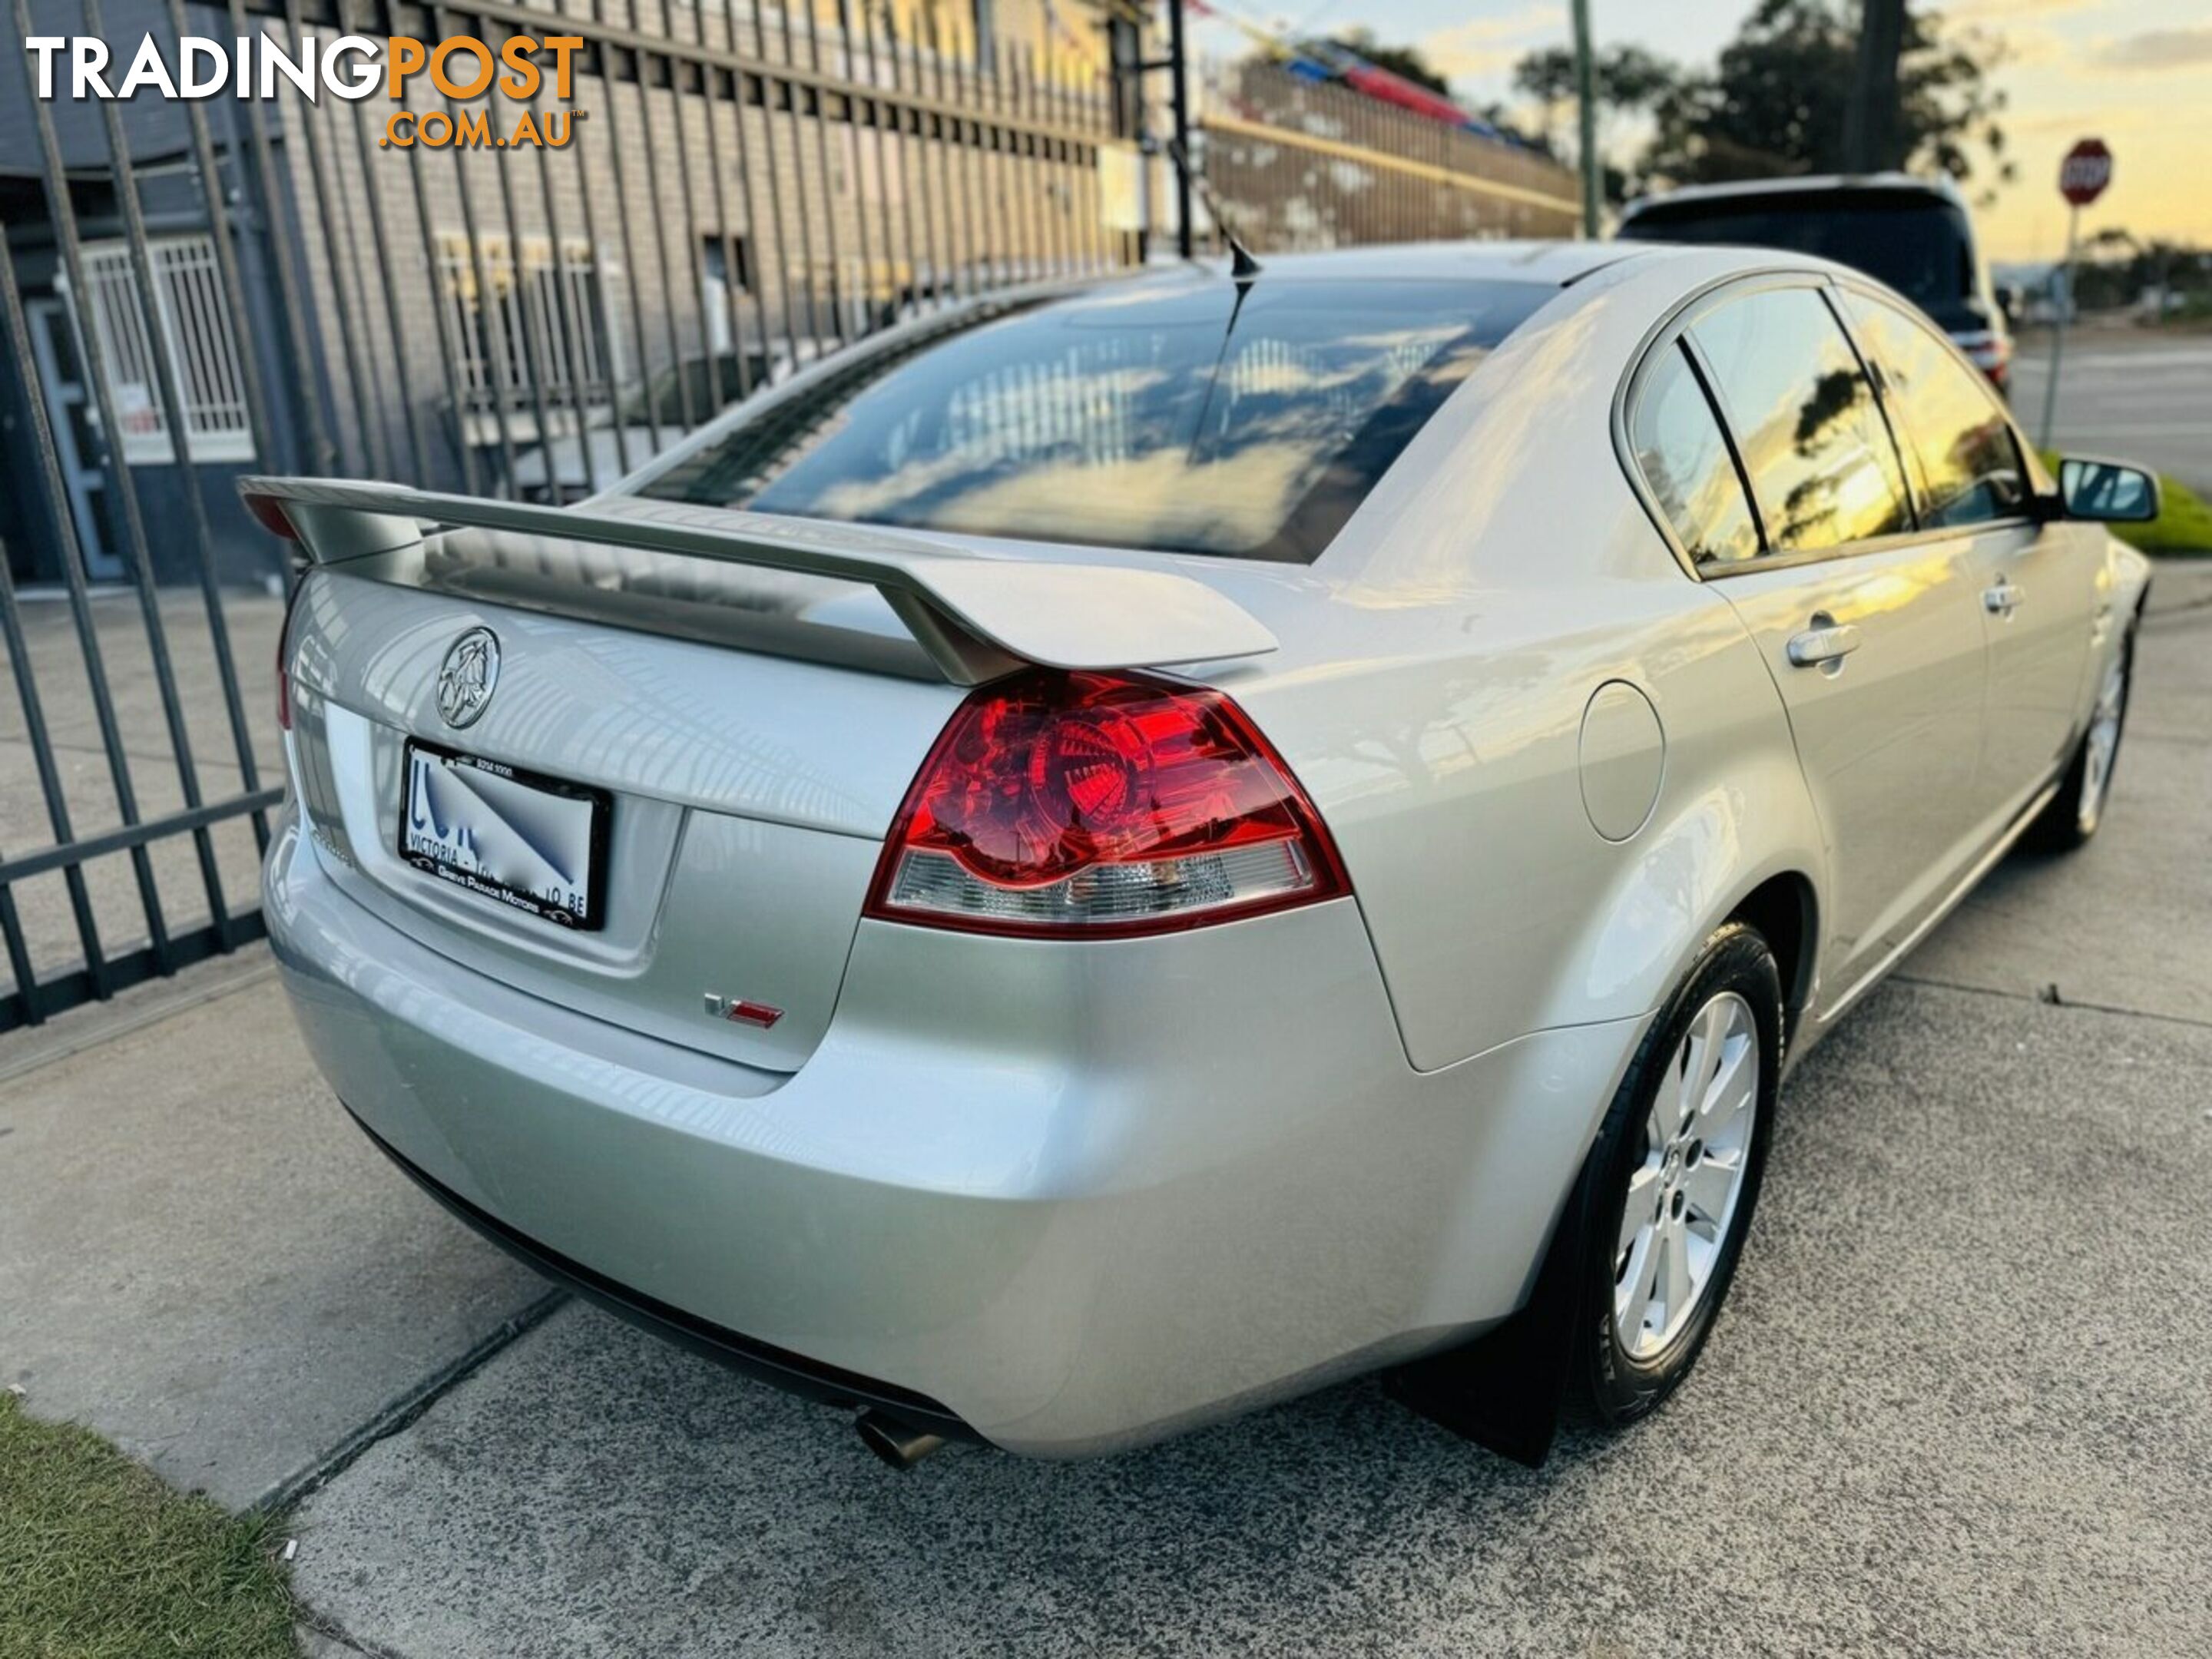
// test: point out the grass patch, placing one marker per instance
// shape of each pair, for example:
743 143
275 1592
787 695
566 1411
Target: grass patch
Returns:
2184 524
98 1560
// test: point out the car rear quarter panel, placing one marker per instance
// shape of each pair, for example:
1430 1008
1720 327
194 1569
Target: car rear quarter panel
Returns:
1502 574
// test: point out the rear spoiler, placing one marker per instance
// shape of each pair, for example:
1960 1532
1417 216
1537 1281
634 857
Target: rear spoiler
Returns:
977 616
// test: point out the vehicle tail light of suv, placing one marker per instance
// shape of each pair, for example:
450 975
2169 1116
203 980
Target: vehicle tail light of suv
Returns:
1991 352
1061 804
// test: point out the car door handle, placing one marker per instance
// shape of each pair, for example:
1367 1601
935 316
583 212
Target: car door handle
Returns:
1829 643
1999 601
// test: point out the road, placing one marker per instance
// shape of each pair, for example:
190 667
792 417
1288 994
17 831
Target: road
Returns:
2136 393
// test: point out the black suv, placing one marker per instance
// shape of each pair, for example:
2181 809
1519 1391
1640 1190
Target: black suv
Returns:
1913 234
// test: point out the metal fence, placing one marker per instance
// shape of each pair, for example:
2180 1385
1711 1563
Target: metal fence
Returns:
1294 164
195 289
219 286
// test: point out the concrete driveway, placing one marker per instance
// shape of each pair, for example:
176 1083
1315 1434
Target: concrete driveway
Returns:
1955 1405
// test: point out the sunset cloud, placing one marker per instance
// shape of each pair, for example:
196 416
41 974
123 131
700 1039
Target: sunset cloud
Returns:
2154 49
1490 45
2006 11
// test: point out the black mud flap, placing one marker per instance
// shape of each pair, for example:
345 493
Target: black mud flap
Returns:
1503 1391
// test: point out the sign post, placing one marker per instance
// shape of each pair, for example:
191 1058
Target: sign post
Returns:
2082 177
1593 169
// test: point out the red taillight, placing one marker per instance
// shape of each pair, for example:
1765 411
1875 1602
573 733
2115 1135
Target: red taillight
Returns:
1991 352
269 513
1056 803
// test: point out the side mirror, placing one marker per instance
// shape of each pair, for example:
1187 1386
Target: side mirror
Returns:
2109 491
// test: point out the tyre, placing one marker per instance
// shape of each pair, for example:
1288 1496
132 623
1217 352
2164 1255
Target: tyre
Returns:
1675 1177
2078 808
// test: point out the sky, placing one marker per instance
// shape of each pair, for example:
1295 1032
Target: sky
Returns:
2136 73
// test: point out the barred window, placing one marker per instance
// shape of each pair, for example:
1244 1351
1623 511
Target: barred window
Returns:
191 328
528 314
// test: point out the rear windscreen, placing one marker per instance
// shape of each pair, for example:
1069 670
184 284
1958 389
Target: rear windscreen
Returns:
1920 247
1178 415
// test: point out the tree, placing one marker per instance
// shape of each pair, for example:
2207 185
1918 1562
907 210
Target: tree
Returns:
1628 79
1404 62
1776 103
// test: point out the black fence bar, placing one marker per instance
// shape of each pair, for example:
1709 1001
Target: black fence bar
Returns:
79 852
34 719
372 193
75 987
350 324
264 438
562 274
450 343
180 436
695 254
645 62
58 205
306 392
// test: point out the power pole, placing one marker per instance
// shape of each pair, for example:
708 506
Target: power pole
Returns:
1586 115
1179 92
1870 117
2063 292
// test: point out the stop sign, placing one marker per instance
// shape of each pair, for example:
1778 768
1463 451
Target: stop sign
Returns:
2086 171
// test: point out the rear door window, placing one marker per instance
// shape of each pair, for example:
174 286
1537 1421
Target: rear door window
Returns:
1803 413
1968 459
1684 458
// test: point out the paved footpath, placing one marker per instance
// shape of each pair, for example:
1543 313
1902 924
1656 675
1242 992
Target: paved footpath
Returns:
201 1257
1954 1407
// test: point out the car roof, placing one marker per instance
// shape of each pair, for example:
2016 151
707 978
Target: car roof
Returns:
1815 183
1552 263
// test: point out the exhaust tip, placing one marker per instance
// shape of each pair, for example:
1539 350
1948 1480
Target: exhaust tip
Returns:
898 1445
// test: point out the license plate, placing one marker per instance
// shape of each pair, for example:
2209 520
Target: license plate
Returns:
532 842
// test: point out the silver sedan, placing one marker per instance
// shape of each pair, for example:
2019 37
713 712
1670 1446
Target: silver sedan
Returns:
1119 852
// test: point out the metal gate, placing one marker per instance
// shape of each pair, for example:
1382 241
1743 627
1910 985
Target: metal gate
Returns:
194 289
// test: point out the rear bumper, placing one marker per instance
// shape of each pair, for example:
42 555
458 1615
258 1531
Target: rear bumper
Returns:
791 1371
1071 1196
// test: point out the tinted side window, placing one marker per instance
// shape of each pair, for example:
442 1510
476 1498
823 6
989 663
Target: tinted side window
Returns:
1820 460
1970 466
1686 460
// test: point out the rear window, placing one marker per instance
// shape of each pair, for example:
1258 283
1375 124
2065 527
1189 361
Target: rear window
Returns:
1170 415
1920 246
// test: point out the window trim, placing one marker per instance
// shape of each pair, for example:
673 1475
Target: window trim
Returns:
1673 327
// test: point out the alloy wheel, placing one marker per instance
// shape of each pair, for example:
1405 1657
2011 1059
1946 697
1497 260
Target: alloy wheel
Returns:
1683 1198
2103 742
